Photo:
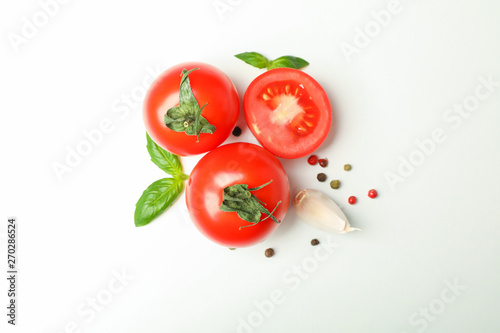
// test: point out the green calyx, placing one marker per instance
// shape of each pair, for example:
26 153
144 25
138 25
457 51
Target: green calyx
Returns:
258 60
186 117
238 198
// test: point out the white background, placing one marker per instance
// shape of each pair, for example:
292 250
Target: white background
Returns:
438 227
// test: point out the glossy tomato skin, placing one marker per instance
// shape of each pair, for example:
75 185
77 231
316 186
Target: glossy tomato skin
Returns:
236 163
209 85
288 112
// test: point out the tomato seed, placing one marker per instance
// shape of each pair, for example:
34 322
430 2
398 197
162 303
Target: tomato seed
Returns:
312 160
372 193
323 162
321 177
237 131
269 253
352 200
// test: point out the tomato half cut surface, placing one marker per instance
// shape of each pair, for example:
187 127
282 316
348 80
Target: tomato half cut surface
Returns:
288 112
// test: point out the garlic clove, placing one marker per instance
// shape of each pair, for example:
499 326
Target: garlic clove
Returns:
318 210
349 229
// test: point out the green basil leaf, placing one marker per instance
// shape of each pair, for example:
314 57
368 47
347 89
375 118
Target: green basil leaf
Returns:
253 58
258 60
288 62
156 199
165 160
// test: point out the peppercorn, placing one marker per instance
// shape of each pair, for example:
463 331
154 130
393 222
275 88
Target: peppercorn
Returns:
312 160
323 162
347 167
335 184
269 253
321 177
314 242
237 131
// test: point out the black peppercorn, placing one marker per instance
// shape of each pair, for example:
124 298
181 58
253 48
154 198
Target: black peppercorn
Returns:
321 177
237 131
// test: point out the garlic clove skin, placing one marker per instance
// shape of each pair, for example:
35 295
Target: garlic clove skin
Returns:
318 210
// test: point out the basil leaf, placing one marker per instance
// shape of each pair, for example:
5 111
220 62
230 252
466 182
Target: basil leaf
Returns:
155 199
165 160
253 58
258 60
288 62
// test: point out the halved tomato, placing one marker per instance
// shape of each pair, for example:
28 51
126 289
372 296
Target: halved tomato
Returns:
288 112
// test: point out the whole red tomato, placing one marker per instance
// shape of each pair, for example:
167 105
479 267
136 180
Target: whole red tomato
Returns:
288 112
221 177
215 95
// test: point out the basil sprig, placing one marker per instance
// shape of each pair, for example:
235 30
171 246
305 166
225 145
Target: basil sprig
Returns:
162 193
258 60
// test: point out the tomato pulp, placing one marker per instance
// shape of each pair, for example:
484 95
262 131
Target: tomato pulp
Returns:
209 86
288 112
227 165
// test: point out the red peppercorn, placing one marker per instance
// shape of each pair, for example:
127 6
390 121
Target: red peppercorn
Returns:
312 160
352 200
372 193
323 162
